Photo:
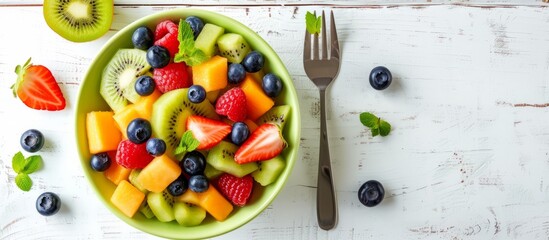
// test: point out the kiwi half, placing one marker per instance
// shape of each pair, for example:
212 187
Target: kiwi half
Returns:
79 20
221 157
161 205
277 115
233 47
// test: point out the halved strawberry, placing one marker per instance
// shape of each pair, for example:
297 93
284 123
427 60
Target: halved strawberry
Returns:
237 190
207 131
266 142
37 88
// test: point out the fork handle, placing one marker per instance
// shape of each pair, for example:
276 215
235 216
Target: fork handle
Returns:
326 205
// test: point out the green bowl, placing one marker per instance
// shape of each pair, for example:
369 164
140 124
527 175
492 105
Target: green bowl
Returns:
89 100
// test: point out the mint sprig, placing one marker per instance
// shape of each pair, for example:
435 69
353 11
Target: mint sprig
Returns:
313 23
187 144
377 125
188 53
23 167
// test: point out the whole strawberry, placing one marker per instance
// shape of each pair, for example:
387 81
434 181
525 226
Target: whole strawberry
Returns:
166 36
232 104
171 77
37 88
131 155
237 190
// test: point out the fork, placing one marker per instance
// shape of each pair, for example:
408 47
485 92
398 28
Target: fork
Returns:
322 70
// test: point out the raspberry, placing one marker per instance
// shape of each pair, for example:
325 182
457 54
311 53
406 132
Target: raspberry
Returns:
232 104
131 155
237 190
173 76
166 36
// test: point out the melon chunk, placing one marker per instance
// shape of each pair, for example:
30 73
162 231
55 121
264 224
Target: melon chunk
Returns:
210 200
116 173
212 74
127 198
144 105
102 131
258 103
124 117
156 176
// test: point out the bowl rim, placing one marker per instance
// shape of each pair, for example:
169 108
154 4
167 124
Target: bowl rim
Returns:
273 57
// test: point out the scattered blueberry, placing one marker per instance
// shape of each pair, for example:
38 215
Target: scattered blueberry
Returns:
32 140
100 162
144 85
239 133
371 193
158 56
178 187
198 183
139 130
48 203
236 73
253 62
380 78
193 163
196 25
196 94
272 85
156 146
142 38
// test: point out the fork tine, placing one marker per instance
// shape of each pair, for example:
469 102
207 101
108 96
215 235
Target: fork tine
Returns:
307 46
315 44
324 41
333 37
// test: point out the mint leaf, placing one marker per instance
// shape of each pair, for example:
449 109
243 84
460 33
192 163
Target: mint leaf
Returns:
188 53
23 181
187 144
384 128
313 23
18 162
32 164
369 120
375 131
376 125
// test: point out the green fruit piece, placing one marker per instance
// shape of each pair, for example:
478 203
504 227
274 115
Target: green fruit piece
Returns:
207 39
146 210
233 47
277 115
161 205
124 67
170 113
188 215
210 172
133 180
221 157
268 170
79 20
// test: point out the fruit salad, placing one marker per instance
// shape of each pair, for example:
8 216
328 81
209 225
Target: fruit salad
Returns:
193 128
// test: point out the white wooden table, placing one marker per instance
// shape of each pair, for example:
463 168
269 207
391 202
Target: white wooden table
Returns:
468 157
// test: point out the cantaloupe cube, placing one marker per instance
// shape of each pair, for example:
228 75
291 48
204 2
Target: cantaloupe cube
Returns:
212 74
143 106
158 174
211 200
116 173
257 101
103 133
127 198
124 117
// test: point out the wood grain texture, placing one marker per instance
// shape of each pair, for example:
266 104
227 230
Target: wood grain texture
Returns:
468 156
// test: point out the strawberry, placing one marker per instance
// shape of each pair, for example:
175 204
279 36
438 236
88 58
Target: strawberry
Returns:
171 77
232 104
207 131
131 155
266 142
166 36
237 190
37 88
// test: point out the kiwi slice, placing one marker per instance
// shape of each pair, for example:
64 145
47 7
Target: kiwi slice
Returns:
146 210
210 172
187 214
233 47
207 39
161 204
79 20
221 157
268 170
169 116
125 66
277 115
133 180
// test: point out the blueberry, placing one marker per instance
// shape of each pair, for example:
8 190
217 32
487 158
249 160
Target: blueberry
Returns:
144 85
158 56
193 163
380 78
196 94
139 130
100 162
142 38
156 146
239 133
236 73
32 140
253 62
178 187
196 25
198 183
272 85
48 203
371 193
